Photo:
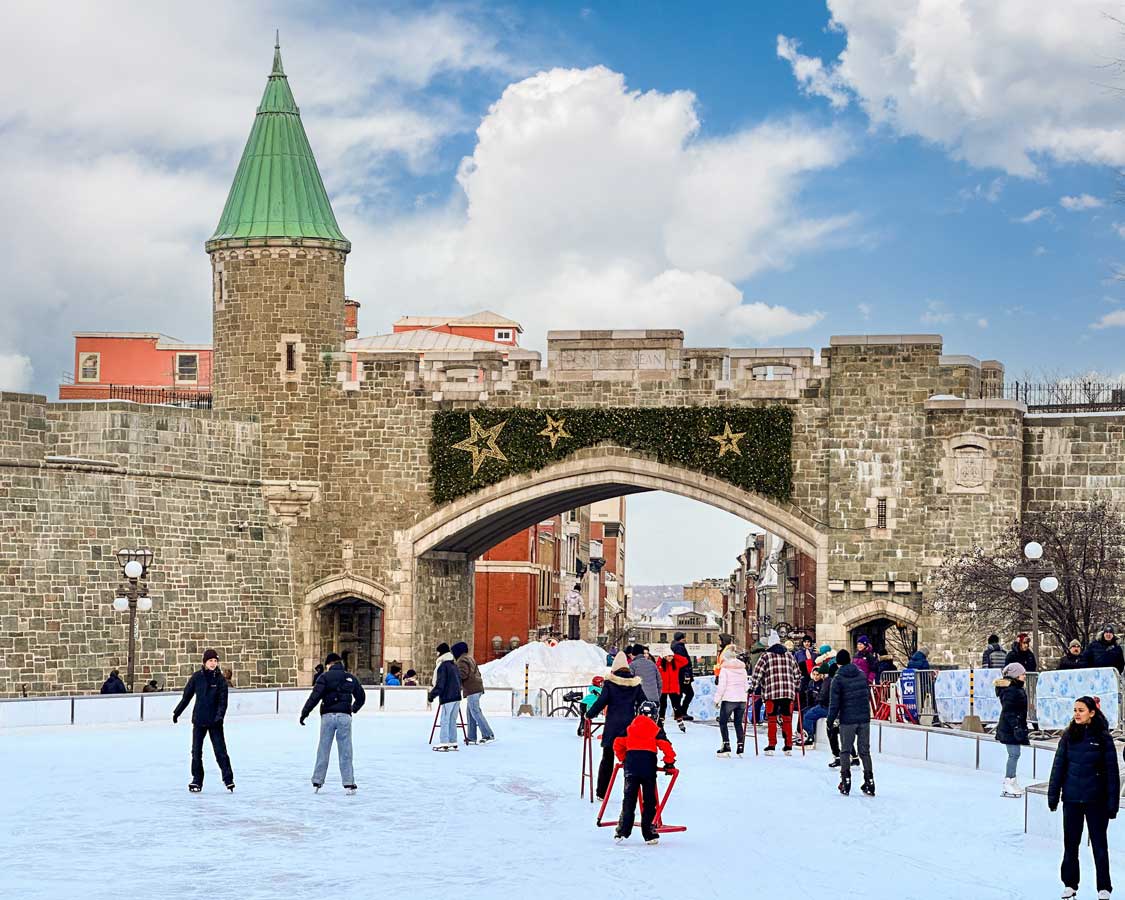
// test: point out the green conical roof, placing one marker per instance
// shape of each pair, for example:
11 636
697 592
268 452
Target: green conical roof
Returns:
277 191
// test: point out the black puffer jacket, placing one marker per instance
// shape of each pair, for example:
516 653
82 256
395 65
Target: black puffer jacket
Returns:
849 700
1070 661
1012 727
447 681
337 691
621 694
209 688
1024 657
687 673
1100 653
1085 770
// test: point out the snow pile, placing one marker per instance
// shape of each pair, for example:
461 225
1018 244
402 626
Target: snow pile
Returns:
567 663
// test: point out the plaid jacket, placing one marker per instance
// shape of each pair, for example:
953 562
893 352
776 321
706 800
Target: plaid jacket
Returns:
775 676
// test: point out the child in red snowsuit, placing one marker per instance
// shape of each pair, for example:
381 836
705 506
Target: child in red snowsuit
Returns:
637 750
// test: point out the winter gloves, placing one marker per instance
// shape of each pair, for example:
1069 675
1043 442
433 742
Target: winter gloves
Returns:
175 718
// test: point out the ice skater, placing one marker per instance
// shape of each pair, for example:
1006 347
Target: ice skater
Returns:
340 696
775 678
447 690
472 686
1011 730
1085 776
636 749
209 688
730 697
670 667
850 703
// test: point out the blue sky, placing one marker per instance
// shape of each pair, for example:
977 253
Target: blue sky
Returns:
756 173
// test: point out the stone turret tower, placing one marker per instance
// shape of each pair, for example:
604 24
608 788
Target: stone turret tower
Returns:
277 258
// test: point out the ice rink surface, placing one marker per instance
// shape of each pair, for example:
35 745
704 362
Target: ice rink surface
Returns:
104 812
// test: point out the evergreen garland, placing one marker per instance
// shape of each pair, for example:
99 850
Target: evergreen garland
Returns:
676 435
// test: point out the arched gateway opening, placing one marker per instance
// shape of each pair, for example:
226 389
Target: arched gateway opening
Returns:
344 614
439 551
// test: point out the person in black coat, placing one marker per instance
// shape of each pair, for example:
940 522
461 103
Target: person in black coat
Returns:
1085 777
1011 730
850 705
620 697
447 691
994 655
1074 658
209 688
340 696
687 676
1021 653
1105 651
114 684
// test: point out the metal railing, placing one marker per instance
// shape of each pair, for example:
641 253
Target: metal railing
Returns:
1067 396
161 396
552 702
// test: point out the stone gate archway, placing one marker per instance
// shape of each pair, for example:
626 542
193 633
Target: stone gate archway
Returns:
345 614
434 582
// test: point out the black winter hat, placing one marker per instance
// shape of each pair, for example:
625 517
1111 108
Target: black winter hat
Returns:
994 639
333 658
843 658
459 649
442 648
210 654
678 636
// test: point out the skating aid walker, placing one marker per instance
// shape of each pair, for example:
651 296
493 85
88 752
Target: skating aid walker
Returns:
460 723
588 733
658 820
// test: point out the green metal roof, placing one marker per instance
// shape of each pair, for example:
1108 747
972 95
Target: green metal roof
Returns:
277 191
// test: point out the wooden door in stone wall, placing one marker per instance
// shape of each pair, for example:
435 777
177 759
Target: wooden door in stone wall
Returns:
354 629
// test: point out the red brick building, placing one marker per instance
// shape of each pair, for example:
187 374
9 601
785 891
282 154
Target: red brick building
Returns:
113 365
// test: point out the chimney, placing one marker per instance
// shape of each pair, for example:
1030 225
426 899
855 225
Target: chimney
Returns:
351 318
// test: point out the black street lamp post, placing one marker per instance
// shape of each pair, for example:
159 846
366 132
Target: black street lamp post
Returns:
1043 575
132 595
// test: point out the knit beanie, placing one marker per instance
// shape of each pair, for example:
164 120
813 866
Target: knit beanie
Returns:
843 658
1075 643
824 668
1013 670
824 648
442 648
209 654
333 658
620 661
459 649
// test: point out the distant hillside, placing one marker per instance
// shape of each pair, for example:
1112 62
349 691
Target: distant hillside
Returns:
649 596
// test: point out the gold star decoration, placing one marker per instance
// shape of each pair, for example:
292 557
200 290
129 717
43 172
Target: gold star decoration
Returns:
555 430
481 443
728 440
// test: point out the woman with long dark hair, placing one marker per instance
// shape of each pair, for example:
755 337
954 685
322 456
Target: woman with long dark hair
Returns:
1085 776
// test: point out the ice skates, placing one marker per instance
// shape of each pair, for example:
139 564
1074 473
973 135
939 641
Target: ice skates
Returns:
740 749
845 784
868 787
350 789
1011 788
769 751
195 788
835 764
1068 893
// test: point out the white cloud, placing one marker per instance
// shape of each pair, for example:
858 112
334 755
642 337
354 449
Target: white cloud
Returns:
15 372
1040 250
865 310
812 75
998 83
982 322
936 313
586 204
1115 319
1079 203
1034 216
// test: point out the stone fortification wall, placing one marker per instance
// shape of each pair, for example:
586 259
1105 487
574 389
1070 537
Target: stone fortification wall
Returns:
79 481
1070 459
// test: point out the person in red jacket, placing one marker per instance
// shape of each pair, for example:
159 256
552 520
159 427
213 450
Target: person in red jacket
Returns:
636 749
670 666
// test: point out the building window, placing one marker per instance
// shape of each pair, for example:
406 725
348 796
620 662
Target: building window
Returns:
187 368
290 357
503 334
881 513
89 366
664 637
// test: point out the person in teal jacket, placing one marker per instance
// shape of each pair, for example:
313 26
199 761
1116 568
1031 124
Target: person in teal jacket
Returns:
592 693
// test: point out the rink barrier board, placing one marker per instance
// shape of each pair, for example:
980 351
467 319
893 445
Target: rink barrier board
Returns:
111 709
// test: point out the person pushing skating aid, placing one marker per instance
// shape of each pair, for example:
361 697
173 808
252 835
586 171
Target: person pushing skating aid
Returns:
209 688
636 749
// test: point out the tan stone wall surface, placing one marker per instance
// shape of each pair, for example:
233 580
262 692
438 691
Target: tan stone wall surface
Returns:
100 477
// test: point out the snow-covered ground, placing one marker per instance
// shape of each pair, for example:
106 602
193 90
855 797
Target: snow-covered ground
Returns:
103 812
